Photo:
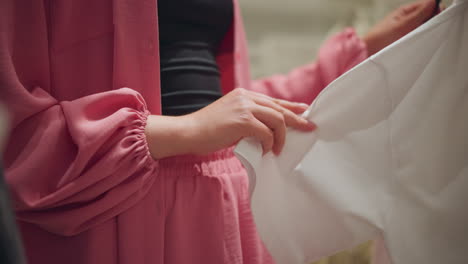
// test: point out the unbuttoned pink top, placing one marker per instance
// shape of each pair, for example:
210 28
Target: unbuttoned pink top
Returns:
79 78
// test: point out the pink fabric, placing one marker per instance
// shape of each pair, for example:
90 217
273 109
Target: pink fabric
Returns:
217 186
85 187
338 55
197 211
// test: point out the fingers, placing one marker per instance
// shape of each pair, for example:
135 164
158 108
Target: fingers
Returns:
262 133
411 16
277 119
424 11
297 108
428 9
271 117
291 119
410 8
277 115
274 120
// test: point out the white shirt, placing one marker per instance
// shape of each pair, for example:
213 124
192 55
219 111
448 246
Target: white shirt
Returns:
390 157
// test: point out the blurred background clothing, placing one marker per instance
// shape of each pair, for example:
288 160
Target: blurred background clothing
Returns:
11 251
283 36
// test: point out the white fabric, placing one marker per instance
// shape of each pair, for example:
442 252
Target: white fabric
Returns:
390 157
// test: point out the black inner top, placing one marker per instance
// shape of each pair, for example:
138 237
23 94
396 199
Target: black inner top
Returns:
190 32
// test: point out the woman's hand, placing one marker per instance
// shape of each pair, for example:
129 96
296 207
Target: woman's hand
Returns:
238 114
399 23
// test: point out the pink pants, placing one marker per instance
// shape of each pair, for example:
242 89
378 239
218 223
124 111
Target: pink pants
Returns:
197 212
207 211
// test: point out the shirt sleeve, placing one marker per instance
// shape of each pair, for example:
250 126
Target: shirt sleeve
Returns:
337 55
70 165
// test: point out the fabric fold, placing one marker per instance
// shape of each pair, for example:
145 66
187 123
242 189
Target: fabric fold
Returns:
389 157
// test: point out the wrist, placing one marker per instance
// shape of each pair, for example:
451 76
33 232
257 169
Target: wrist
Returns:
169 136
371 44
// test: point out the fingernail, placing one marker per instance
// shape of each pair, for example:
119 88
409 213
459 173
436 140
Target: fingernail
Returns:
311 125
304 105
277 152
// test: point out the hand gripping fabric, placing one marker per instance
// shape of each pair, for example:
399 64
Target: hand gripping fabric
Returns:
389 158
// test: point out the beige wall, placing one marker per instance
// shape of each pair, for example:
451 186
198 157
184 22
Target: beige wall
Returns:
287 33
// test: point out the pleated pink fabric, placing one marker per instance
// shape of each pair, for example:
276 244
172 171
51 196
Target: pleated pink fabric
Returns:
79 79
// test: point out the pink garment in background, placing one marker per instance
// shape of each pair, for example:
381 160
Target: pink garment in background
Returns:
84 185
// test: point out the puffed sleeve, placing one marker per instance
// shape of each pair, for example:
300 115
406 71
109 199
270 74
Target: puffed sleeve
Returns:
70 165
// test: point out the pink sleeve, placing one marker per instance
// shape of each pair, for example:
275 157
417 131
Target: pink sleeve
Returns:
74 164
70 164
339 54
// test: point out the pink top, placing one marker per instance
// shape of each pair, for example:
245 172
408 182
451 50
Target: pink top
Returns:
77 155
